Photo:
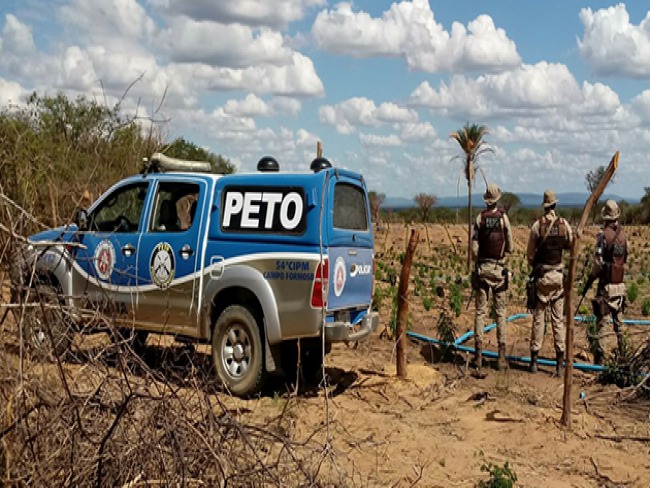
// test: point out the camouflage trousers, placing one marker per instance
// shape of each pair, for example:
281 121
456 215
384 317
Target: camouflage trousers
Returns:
550 295
491 280
612 300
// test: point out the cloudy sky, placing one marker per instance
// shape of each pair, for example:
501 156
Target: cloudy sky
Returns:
560 86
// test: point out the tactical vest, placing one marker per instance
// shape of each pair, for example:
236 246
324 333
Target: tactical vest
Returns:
614 254
557 239
491 235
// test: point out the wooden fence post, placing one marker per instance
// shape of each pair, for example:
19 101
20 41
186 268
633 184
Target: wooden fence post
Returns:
402 303
568 290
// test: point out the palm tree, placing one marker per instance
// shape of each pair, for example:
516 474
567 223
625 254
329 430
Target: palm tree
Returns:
470 140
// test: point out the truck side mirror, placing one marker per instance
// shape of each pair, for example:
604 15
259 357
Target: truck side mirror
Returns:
81 219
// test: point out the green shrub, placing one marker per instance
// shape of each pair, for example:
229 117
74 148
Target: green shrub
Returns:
618 367
378 298
446 328
645 307
455 299
633 292
500 476
426 303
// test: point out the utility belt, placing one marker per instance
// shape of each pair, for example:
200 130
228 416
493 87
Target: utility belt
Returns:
610 298
477 278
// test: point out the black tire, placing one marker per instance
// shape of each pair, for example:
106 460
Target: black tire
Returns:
311 363
237 351
311 360
45 327
135 339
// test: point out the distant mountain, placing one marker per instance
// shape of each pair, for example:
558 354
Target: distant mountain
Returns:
529 200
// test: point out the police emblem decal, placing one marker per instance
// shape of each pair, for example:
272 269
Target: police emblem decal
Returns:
162 265
339 276
104 259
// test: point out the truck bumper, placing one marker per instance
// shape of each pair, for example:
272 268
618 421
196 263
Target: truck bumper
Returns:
346 332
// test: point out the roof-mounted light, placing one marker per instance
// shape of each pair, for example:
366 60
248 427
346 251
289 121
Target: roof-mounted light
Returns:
268 164
319 164
160 163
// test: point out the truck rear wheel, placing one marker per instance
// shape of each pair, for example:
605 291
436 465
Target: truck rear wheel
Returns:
45 328
237 351
311 360
135 339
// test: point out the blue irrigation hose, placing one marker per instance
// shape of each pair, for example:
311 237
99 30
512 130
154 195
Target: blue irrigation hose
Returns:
488 328
580 318
492 354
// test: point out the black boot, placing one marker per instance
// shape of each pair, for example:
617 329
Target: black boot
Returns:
478 361
559 366
502 363
598 357
533 361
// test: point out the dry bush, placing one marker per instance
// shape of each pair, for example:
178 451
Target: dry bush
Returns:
104 416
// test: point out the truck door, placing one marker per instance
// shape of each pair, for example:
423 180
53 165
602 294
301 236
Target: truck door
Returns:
106 270
350 246
169 257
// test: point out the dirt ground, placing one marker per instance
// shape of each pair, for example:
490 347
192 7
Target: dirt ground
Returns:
440 425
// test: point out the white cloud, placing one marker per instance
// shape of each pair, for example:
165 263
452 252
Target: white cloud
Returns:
286 105
525 90
409 30
360 111
641 105
219 120
17 38
11 93
418 132
108 21
298 78
383 141
251 106
276 13
77 71
612 45
390 112
225 45
306 139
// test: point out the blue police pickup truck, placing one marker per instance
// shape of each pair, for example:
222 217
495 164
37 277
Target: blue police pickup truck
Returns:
245 262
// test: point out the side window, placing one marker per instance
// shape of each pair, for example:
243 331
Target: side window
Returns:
121 210
350 209
175 207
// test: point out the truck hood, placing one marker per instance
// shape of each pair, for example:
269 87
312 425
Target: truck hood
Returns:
60 233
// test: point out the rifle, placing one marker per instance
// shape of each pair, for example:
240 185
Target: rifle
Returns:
588 284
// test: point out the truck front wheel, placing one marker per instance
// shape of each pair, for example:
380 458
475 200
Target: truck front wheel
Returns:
45 327
237 351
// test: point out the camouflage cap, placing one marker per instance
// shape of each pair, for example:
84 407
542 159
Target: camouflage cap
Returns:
610 210
549 198
492 194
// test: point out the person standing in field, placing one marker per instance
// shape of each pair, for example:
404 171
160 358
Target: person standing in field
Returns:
549 237
491 240
609 267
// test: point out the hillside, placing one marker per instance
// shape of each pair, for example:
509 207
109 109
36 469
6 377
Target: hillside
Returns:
529 200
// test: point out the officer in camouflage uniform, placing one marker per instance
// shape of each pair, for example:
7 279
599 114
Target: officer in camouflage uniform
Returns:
549 236
491 240
609 268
